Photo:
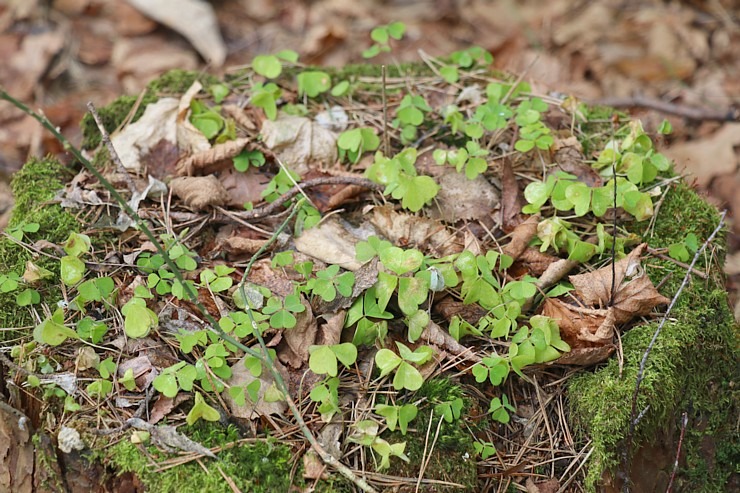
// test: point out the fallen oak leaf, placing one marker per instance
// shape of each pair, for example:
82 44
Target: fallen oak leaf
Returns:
580 327
634 295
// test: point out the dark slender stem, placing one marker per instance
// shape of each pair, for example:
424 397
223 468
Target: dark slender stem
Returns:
684 422
386 141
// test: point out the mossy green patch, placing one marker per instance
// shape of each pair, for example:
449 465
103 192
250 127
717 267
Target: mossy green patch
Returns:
679 376
452 458
259 466
34 186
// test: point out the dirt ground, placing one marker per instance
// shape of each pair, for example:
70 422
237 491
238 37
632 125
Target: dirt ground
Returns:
657 59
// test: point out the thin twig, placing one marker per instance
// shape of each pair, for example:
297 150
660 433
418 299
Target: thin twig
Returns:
386 141
275 205
690 112
643 362
111 150
684 422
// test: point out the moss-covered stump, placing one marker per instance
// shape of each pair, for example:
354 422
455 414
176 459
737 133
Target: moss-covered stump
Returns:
692 369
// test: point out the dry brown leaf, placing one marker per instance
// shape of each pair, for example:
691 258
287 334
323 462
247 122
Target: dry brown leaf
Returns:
241 377
330 242
138 60
16 451
449 307
708 157
240 116
569 158
137 139
407 229
276 281
237 245
313 466
635 294
580 327
297 142
293 349
142 368
536 262
243 187
512 198
194 19
211 160
521 236
330 332
587 356
462 199
200 192
131 22
550 486
164 406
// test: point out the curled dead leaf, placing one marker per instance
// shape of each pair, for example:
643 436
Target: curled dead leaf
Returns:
200 192
634 295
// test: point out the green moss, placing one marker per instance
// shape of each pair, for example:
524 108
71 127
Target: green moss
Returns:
678 377
453 456
33 187
261 466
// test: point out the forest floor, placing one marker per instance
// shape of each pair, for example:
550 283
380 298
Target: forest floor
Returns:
635 55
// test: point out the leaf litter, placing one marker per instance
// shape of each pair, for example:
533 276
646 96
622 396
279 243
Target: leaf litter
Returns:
459 223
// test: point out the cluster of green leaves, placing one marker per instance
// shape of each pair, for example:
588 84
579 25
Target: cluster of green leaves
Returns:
354 143
409 116
13 282
532 131
20 230
313 82
326 395
471 158
367 433
246 159
683 250
395 415
566 193
210 122
266 94
72 268
271 66
381 36
401 180
159 276
633 157
464 59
